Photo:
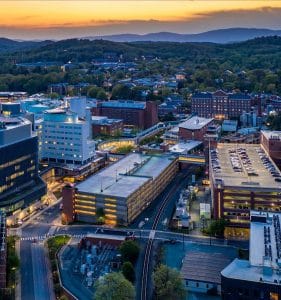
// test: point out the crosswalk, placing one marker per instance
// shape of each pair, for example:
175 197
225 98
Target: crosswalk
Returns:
47 236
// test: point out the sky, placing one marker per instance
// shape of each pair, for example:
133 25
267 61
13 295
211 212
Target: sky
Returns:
50 19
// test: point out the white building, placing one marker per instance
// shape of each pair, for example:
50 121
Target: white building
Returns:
66 138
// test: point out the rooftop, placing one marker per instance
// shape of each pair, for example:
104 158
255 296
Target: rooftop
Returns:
195 123
184 147
122 178
275 135
265 239
202 266
124 104
265 251
244 166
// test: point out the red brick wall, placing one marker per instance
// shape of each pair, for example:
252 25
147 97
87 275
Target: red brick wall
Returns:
68 193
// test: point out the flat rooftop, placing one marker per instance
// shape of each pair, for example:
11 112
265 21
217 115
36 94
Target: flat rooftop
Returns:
184 147
275 135
202 266
244 166
195 123
265 251
264 239
122 178
242 270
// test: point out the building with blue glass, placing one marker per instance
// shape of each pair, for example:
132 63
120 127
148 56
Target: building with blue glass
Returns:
20 184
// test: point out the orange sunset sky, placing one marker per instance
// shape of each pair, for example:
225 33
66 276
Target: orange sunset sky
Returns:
59 19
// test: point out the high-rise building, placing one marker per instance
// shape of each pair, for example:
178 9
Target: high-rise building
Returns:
66 138
20 184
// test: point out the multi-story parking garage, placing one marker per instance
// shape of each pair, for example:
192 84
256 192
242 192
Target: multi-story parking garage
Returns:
243 177
122 191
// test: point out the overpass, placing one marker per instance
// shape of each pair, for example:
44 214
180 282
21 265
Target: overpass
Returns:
192 159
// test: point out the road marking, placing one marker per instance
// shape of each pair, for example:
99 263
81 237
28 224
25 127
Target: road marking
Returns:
152 234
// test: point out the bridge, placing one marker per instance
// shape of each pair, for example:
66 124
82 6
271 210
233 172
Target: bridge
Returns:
192 159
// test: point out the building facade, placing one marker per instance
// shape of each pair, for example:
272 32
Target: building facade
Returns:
259 277
20 184
106 127
271 142
142 115
3 251
66 139
243 178
194 129
122 191
220 105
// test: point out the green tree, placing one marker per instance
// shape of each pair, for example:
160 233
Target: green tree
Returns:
121 91
216 228
168 284
101 95
128 271
129 251
114 286
93 91
100 215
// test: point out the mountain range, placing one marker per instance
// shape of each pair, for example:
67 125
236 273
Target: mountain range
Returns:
220 36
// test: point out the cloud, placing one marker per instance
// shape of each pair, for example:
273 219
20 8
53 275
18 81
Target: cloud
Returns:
264 17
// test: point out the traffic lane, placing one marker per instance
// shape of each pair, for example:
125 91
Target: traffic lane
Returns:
27 287
42 290
35 229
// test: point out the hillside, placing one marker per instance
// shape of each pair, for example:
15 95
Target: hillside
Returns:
262 52
7 45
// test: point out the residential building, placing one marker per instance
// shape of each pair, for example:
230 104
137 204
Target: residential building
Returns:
142 115
20 184
259 277
220 105
243 178
122 190
194 128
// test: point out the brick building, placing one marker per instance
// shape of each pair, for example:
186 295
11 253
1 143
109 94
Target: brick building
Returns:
106 126
271 142
142 115
220 105
194 128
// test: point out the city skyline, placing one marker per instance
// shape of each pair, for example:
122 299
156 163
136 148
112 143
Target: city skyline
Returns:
56 20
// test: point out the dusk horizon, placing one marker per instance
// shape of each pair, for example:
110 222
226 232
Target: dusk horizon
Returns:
56 20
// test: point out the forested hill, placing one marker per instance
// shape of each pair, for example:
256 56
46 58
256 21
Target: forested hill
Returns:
262 52
254 65
8 45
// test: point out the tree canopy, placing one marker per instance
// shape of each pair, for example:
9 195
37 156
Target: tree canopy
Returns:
168 284
129 251
114 286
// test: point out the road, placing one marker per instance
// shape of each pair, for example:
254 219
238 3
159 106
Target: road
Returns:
34 272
